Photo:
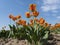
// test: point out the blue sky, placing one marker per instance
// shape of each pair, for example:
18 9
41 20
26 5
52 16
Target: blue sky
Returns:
48 9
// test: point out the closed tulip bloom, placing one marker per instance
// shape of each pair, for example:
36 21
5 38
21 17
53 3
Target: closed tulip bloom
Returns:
53 28
42 21
23 22
18 23
27 14
35 13
18 16
57 25
46 24
32 7
20 20
14 18
11 16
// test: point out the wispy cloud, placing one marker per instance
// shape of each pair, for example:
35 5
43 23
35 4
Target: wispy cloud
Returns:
50 5
51 8
58 17
51 1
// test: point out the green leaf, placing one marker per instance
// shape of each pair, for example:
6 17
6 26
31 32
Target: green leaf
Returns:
46 35
10 27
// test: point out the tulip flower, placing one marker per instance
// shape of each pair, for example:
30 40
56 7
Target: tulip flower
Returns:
46 24
23 22
18 16
57 25
42 21
14 18
32 7
20 22
27 14
11 16
35 13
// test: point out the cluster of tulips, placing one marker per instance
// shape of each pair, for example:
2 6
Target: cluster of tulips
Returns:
15 18
33 13
37 31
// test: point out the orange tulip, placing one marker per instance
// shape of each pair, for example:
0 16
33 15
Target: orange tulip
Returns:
18 23
57 25
14 18
46 24
23 22
52 28
18 16
28 14
35 13
20 20
42 21
32 7
11 16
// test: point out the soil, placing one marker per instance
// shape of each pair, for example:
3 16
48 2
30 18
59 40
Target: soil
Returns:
10 41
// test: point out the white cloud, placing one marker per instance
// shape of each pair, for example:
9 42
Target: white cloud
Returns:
55 15
55 11
58 17
50 5
51 1
45 8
